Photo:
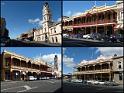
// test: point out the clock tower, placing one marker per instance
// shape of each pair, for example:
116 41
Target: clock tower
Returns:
46 20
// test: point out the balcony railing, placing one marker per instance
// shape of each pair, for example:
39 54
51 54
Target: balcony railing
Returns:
96 22
92 71
29 69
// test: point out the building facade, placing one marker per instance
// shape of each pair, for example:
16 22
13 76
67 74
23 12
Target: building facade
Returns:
102 20
27 35
3 30
17 67
120 19
50 31
103 69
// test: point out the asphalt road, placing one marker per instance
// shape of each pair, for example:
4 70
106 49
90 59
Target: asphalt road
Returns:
88 42
80 88
17 43
31 86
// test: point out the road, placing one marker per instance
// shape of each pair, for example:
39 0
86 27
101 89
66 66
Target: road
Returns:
31 86
88 42
80 88
18 43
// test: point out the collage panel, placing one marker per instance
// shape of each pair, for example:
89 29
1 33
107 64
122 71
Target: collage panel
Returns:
31 23
28 69
93 69
93 23
61 46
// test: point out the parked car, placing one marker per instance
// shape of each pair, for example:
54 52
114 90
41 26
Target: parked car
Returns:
4 41
32 78
110 83
65 35
88 36
76 80
113 38
120 37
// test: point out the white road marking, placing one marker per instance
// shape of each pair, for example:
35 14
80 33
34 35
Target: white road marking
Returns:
27 88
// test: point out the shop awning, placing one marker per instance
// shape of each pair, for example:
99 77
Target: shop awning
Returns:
117 26
120 26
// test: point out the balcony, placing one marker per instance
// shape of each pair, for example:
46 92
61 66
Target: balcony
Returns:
29 69
95 22
93 71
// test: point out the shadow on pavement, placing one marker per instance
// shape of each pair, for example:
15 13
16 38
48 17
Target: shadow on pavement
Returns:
58 90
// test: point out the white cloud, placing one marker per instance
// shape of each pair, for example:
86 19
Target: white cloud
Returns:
35 21
106 53
59 19
94 60
76 13
68 13
110 51
69 62
49 58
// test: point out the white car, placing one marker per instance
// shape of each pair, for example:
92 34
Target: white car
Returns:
32 78
101 82
65 35
76 80
88 36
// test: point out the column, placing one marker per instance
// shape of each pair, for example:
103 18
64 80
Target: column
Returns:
94 70
11 72
20 75
11 75
110 76
101 70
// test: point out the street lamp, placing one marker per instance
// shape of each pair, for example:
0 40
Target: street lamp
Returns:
16 75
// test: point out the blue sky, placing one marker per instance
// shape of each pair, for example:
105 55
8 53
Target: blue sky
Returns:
33 51
74 55
76 7
18 14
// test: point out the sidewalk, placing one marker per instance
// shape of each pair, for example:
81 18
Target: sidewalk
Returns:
97 42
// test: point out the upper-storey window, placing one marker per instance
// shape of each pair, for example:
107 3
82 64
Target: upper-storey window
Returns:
119 65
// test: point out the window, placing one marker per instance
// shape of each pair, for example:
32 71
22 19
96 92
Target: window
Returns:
120 76
54 30
119 66
7 62
52 39
56 39
51 31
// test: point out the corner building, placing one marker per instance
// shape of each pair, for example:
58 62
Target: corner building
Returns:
103 69
104 20
50 31
17 67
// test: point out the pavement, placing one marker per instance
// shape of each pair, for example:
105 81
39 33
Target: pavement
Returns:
89 42
31 86
70 87
18 43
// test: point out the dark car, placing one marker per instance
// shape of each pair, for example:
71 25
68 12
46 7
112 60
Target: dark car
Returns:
4 41
113 38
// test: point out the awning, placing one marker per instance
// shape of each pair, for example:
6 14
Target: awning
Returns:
117 26
120 26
